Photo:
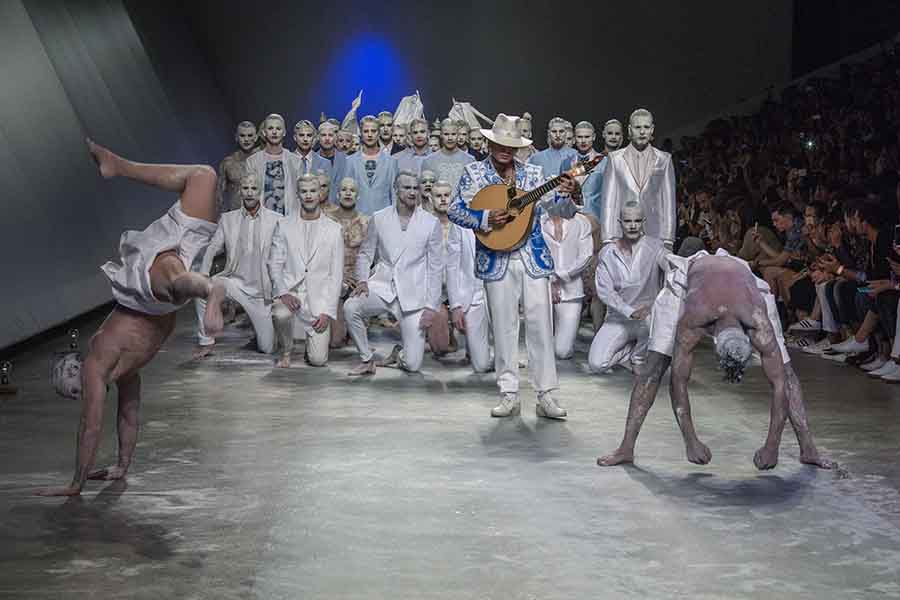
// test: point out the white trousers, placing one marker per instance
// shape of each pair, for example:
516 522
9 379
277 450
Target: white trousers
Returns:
829 325
503 298
566 319
259 311
286 325
477 330
359 308
619 342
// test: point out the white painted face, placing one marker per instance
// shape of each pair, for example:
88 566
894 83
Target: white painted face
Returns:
631 220
326 138
354 144
449 136
612 136
309 195
304 138
440 197
324 189
385 128
462 137
343 141
556 135
250 191
584 140
369 133
246 137
348 193
570 138
427 179
65 374
407 191
476 140
524 127
434 143
273 132
399 136
640 130
419 135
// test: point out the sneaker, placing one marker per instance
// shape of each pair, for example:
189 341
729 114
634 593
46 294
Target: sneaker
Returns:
547 407
892 377
874 364
886 369
799 343
806 325
509 406
836 357
819 347
856 360
850 346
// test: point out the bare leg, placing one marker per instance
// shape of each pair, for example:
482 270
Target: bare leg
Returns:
642 397
809 454
439 332
682 363
128 425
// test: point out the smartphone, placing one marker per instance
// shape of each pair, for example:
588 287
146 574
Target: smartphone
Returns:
864 290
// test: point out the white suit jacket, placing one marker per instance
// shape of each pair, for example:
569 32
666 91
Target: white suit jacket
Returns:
322 270
464 289
226 237
409 263
292 170
318 163
571 255
657 196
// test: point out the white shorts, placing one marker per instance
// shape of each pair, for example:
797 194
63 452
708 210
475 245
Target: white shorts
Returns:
669 305
130 280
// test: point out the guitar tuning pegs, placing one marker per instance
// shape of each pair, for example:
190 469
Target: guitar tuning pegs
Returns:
73 339
6 386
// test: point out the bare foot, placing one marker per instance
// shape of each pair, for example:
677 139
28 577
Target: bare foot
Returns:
393 358
284 362
213 322
620 456
72 490
202 351
105 159
366 368
816 460
698 453
765 458
108 474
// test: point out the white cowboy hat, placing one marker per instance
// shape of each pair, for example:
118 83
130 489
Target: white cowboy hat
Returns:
506 132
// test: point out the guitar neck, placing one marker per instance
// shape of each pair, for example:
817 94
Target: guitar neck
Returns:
535 194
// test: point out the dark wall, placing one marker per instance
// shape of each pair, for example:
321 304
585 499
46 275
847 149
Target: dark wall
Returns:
680 59
826 31
73 69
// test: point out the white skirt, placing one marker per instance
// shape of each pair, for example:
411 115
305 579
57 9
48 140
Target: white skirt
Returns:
130 280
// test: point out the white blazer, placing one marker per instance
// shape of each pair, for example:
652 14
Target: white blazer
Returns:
293 168
571 255
410 263
226 237
657 197
464 289
322 269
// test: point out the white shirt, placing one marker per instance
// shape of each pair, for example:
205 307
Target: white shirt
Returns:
572 252
247 271
628 282
306 161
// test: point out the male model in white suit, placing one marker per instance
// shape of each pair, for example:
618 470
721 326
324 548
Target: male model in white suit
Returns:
571 244
246 236
628 279
406 280
644 174
306 265
276 168
465 293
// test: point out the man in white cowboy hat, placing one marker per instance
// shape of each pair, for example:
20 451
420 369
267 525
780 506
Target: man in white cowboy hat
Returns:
521 275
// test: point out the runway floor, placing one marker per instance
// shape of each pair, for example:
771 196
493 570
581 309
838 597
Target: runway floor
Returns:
304 483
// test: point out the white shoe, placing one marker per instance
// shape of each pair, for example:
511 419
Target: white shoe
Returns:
806 325
837 357
886 369
875 363
547 407
819 347
850 346
892 377
509 406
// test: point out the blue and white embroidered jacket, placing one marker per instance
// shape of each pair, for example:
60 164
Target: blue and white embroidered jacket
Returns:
490 265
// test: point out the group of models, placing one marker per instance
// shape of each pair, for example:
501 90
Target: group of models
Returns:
322 242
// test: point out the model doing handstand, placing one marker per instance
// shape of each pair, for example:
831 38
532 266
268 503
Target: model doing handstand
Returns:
151 283
718 295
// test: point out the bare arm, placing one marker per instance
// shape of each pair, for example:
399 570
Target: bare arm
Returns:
276 262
